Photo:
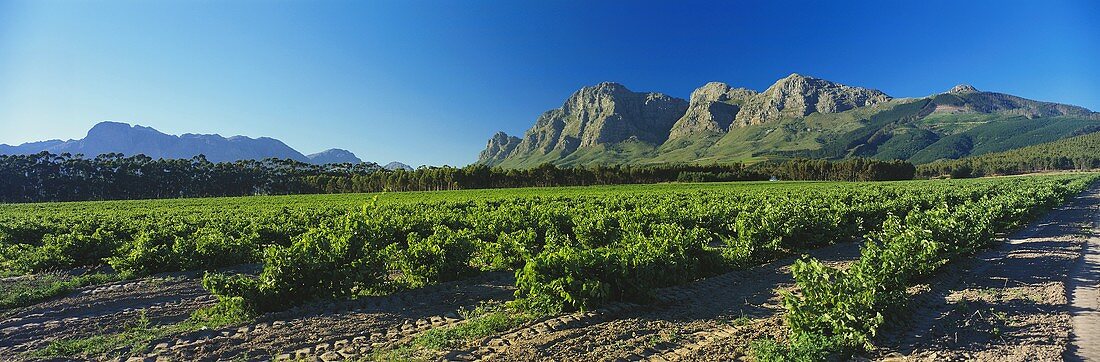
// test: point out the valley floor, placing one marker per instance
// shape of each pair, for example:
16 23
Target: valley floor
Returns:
1031 297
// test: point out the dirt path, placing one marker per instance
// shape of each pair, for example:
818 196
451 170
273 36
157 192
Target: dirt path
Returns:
715 315
1008 303
1084 299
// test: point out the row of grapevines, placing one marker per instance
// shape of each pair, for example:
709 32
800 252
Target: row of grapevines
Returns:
151 243
840 310
574 252
571 249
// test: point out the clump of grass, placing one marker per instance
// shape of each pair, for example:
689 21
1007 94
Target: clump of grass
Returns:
91 346
484 320
806 348
664 336
24 292
228 311
136 337
136 333
742 320
401 353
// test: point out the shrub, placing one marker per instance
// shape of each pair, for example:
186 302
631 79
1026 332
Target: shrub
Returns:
508 252
572 278
596 230
780 227
66 251
336 261
151 251
442 256
805 348
210 248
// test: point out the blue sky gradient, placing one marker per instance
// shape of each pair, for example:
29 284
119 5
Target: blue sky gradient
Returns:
429 82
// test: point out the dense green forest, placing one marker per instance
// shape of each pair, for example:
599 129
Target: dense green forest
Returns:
1074 153
47 177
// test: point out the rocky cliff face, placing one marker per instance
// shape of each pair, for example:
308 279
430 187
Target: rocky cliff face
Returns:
602 114
798 96
499 146
754 124
712 109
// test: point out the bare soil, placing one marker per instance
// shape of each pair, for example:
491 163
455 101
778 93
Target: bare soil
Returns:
333 331
101 309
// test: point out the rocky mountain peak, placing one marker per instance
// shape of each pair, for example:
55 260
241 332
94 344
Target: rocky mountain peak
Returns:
602 93
609 87
499 146
392 166
114 130
795 77
720 92
333 155
797 96
108 126
966 99
963 89
601 114
607 123
713 107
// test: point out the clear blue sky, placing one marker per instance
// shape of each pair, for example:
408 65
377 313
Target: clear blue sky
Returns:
429 82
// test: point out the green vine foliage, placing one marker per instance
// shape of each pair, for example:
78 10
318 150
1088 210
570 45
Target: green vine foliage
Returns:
848 306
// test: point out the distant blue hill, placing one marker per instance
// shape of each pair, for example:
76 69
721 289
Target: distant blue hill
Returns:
115 137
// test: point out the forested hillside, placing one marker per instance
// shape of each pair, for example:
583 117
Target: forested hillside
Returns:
1074 153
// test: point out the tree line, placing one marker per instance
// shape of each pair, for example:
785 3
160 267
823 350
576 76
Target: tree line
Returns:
45 177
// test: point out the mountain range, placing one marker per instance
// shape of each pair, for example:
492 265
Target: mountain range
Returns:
798 116
115 137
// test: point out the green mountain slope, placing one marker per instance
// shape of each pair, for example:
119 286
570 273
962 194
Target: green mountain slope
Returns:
1074 153
1001 133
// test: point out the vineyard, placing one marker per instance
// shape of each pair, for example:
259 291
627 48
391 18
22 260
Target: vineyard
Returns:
573 251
